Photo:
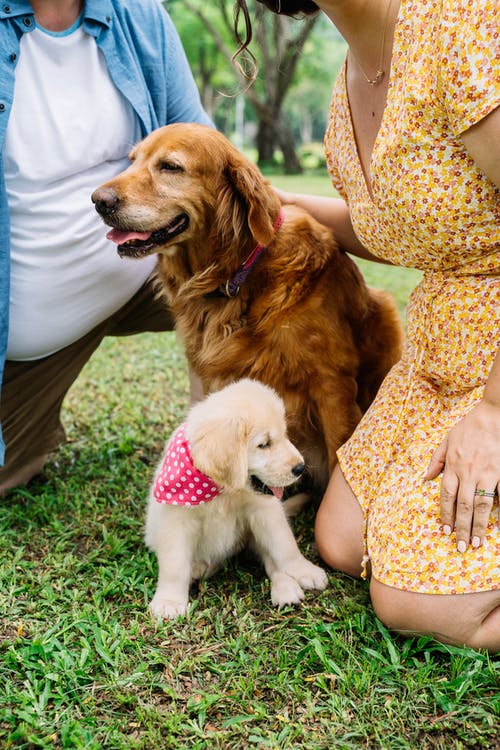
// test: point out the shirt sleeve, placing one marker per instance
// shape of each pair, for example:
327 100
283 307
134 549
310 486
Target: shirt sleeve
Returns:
470 60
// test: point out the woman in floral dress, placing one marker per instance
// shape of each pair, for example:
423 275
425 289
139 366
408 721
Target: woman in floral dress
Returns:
413 148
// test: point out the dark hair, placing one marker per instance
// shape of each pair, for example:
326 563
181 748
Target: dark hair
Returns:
282 7
290 7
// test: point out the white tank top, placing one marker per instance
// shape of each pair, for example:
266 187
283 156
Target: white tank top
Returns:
70 130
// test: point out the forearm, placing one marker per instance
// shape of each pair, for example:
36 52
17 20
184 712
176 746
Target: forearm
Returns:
492 389
333 213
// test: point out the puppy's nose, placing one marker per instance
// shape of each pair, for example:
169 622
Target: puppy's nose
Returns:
106 200
298 469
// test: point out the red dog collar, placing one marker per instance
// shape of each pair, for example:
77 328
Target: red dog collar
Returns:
234 283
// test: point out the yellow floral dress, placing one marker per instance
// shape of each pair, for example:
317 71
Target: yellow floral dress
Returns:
432 209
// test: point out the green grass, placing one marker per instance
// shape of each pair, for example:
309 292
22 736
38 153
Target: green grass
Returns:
82 665
314 184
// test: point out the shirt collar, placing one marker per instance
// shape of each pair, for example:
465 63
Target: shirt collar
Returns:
16 8
100 11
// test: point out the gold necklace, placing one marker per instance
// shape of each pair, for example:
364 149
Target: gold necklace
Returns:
380 73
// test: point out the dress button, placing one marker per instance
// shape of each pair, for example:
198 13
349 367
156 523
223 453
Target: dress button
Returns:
13 57
2 106
6 8
27 21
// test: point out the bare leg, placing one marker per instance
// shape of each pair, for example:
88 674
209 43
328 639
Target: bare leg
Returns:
339 527
463 619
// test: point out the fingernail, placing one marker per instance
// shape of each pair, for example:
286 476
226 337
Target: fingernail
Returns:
461 546
476 541
447 530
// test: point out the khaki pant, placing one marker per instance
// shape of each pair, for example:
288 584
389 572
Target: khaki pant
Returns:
33 392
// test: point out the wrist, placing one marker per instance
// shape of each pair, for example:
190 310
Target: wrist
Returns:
491 400
491 395
488 412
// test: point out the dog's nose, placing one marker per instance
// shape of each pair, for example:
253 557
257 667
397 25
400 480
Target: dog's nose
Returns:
106 200
298 469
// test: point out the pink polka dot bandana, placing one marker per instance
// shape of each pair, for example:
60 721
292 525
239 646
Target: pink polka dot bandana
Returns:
178 481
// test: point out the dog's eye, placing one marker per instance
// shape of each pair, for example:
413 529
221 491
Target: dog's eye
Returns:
169 166
265 444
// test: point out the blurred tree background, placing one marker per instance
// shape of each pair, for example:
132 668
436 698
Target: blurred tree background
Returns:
281 118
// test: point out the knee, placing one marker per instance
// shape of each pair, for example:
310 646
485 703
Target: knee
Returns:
324 544
336 550
339 527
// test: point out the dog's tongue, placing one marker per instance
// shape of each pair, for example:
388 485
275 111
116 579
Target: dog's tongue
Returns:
115 235
277 492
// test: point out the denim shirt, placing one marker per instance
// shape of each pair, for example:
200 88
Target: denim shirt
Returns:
147 64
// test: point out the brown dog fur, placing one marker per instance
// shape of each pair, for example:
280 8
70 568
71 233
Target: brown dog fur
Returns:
304 321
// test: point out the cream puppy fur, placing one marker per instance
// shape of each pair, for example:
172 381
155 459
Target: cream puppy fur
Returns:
237 437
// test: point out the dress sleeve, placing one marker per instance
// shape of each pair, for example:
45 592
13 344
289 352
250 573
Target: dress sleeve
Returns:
470 60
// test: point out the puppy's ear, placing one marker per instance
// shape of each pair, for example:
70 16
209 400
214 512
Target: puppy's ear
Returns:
219 450
251 186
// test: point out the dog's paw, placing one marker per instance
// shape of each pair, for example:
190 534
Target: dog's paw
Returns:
167 609
285 590
308 575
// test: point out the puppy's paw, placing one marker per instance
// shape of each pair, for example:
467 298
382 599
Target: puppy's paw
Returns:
308 575
285 590
167 609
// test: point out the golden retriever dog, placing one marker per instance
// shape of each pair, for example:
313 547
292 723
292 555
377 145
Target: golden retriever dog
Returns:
218 488
257 290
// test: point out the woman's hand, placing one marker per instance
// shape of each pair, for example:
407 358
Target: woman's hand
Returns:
334 214
469 459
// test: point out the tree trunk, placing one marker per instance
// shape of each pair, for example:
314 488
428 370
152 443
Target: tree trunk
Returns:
266 143
286 140
272 135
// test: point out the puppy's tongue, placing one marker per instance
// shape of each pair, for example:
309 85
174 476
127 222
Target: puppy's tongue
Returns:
277 492
116 235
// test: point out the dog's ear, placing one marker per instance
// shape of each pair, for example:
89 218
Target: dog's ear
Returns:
246 179
219 450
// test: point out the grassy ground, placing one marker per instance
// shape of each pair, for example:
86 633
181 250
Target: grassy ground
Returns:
83 666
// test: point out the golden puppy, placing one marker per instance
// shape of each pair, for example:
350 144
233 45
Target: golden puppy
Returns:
208 499
257 290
